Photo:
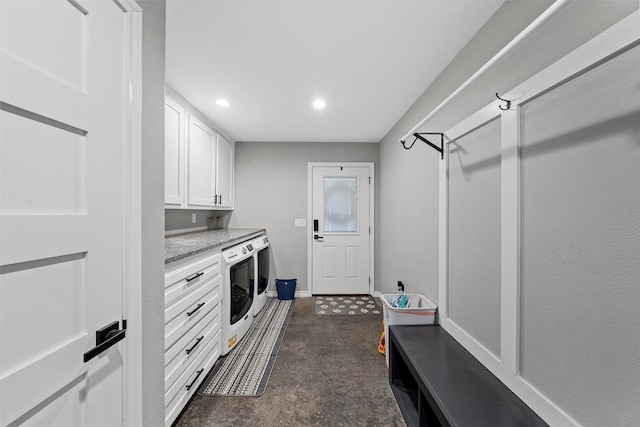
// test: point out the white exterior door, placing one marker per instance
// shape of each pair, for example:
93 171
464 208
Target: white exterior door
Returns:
340 227
62 198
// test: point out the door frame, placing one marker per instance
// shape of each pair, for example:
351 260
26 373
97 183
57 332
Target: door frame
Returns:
310 167
132 250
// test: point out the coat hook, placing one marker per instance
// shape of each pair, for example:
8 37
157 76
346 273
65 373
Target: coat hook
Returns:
505 100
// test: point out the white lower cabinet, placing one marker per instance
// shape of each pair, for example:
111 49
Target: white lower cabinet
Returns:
192 329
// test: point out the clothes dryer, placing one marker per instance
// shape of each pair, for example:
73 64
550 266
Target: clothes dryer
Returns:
238 284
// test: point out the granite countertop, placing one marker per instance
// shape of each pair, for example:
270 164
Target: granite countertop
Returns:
184 245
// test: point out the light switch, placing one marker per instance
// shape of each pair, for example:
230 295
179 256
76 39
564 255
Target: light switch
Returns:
300 222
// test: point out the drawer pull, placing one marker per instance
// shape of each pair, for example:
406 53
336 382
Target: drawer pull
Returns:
195 309
189 350
194 277
194 380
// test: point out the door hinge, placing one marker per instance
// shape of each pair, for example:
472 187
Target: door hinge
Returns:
369 230
369 180
369 280
124 323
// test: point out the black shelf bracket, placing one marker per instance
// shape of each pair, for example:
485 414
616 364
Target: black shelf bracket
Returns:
419 136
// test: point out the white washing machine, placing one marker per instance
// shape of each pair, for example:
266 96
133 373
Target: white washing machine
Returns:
238 269
261 257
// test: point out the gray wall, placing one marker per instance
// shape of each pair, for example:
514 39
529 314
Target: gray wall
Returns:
153 42
181 219
558 357
271 191
581 244
407 181
408 232
474 234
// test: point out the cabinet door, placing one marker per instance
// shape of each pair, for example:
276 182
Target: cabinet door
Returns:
202 160
174 137
225 172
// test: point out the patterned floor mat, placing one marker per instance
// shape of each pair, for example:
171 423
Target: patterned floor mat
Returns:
345 305
246 369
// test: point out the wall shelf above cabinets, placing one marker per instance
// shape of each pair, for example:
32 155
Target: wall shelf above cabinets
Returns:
198 160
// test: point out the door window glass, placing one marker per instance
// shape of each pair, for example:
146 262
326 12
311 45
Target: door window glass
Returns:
340 204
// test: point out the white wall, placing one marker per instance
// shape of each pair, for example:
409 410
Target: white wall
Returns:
408 218
153 41
271 191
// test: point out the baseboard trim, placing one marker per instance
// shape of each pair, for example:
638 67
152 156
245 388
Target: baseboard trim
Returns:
298 294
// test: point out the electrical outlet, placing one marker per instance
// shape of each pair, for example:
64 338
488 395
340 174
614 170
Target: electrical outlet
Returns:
300 222
193 218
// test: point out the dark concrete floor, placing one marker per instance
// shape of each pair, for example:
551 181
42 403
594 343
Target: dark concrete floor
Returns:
328 373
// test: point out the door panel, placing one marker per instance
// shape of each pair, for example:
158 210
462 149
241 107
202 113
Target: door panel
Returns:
202 160
225 172
351 262
62 185
340 247
173 153
51 38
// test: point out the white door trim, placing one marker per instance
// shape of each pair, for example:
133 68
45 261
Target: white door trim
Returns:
132 251
310 167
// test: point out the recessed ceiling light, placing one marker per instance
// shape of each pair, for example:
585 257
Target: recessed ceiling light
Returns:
319 104
223 103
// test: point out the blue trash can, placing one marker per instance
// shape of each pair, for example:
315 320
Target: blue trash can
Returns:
286 288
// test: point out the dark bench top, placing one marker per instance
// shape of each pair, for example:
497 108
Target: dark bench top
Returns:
464 390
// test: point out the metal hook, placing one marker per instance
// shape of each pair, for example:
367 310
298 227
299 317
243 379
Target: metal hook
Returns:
404 145
505 100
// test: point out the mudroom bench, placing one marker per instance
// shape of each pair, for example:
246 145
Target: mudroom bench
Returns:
437 382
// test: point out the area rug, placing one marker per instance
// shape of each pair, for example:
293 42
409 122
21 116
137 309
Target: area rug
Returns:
246 369
344 305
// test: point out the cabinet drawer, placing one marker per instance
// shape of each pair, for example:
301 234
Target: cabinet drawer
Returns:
185 278
190 314
187 384
190 345
179 305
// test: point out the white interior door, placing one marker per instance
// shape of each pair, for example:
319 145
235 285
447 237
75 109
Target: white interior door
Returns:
62 160
341 229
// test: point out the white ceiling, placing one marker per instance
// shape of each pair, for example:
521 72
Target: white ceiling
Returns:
370 60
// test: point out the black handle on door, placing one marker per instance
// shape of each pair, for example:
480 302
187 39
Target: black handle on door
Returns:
318 238
105 338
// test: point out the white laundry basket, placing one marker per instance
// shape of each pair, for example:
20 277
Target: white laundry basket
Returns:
420 311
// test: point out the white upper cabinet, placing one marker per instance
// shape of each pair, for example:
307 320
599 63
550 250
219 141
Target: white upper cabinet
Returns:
198 161
174 153
202 164
225 172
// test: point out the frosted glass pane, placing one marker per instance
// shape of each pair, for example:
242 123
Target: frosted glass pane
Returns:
340 205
